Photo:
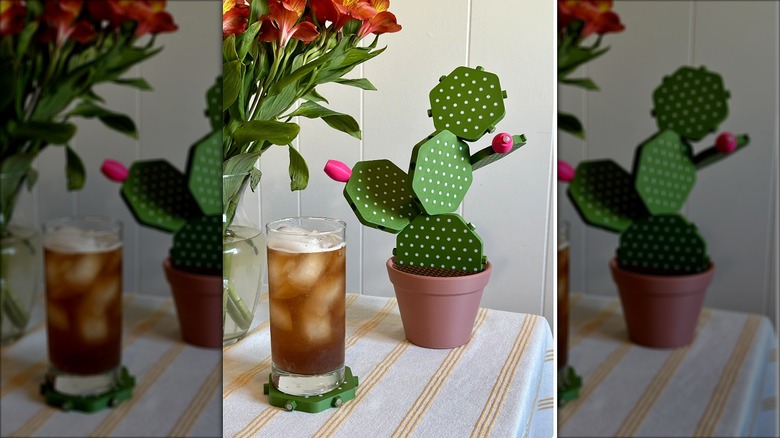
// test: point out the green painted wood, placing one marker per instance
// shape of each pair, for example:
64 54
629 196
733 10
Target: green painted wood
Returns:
665 173
378 192
440 172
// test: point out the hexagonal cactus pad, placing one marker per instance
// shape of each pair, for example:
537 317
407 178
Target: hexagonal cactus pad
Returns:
692 102
205 173
664 173
487 155
604 195
197 246
214 105
379 193
440 172
469 102
157 194
665 244
442 241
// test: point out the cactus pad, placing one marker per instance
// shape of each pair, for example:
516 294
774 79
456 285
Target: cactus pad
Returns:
379 194
468 102
442 241
664 174
663 244
205 173
692 102
157 195
214 105
604 195
440 172
488 155
197 246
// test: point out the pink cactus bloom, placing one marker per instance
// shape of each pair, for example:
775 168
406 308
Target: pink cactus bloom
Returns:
726 143
114 170
338 171
502 143
565 171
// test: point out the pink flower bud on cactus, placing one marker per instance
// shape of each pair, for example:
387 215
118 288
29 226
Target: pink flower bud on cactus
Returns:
726 143
114 170
338 171
502 143
565 171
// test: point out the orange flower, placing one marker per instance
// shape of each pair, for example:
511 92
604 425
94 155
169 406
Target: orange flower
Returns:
150 14
280 23
339 12
12 14
235 17
596 14
383 22
61 17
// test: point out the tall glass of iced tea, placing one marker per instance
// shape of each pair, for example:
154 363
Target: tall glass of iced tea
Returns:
307 288
83 261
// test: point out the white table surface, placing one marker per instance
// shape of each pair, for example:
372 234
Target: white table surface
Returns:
723 384
499 384
176 392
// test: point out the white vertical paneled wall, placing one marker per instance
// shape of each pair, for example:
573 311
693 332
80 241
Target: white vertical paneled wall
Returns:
169 119
510 201
734 202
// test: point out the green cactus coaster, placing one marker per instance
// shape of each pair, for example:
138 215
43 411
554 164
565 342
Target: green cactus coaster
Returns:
664 173
197 246
444 241
468 102
379 194
214 105
692 102
604 195
205 173
440 172
663 244
157 195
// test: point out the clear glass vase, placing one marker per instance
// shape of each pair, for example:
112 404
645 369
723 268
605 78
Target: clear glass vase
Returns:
243 256
20 258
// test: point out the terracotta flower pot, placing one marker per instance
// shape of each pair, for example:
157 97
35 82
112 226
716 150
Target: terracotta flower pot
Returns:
661 311
198 300
438 312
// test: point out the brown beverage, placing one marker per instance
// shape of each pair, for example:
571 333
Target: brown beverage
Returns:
84 303
306 294
563 303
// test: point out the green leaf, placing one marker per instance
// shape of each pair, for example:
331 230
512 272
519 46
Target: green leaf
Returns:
48 132
569 123
298 170
573 57
139 83
74 169
362 83
258 9
24 39
231 82
247 39
314 96
229 53
116 121
585 83
342 122
266 130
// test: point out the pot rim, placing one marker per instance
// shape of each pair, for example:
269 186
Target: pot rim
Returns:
613 264
391 265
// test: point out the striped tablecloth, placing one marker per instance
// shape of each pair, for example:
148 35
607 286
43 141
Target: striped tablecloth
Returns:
176 392
724 384
499 384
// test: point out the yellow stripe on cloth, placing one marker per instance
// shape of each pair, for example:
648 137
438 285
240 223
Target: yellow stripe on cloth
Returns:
147 381
592 382
435 383
35 422
589 327
657 385
495 401
247 376
533 411
198 403
370 382
728 377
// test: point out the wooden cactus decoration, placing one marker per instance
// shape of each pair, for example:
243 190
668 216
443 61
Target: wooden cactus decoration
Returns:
419 205
643 206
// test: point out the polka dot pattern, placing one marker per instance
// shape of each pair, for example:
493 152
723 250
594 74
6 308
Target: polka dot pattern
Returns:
604 195
205 173
214 105
665 174
692 102
379 194
468 102
663 244
158 195
197 246
440 172
443 241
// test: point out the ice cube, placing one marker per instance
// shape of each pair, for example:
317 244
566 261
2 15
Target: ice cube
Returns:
101 295
56 317
84 271
280 315
93 329
325 296
308 270
316 330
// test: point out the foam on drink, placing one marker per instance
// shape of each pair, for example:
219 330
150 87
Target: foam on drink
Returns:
298 240
71 240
